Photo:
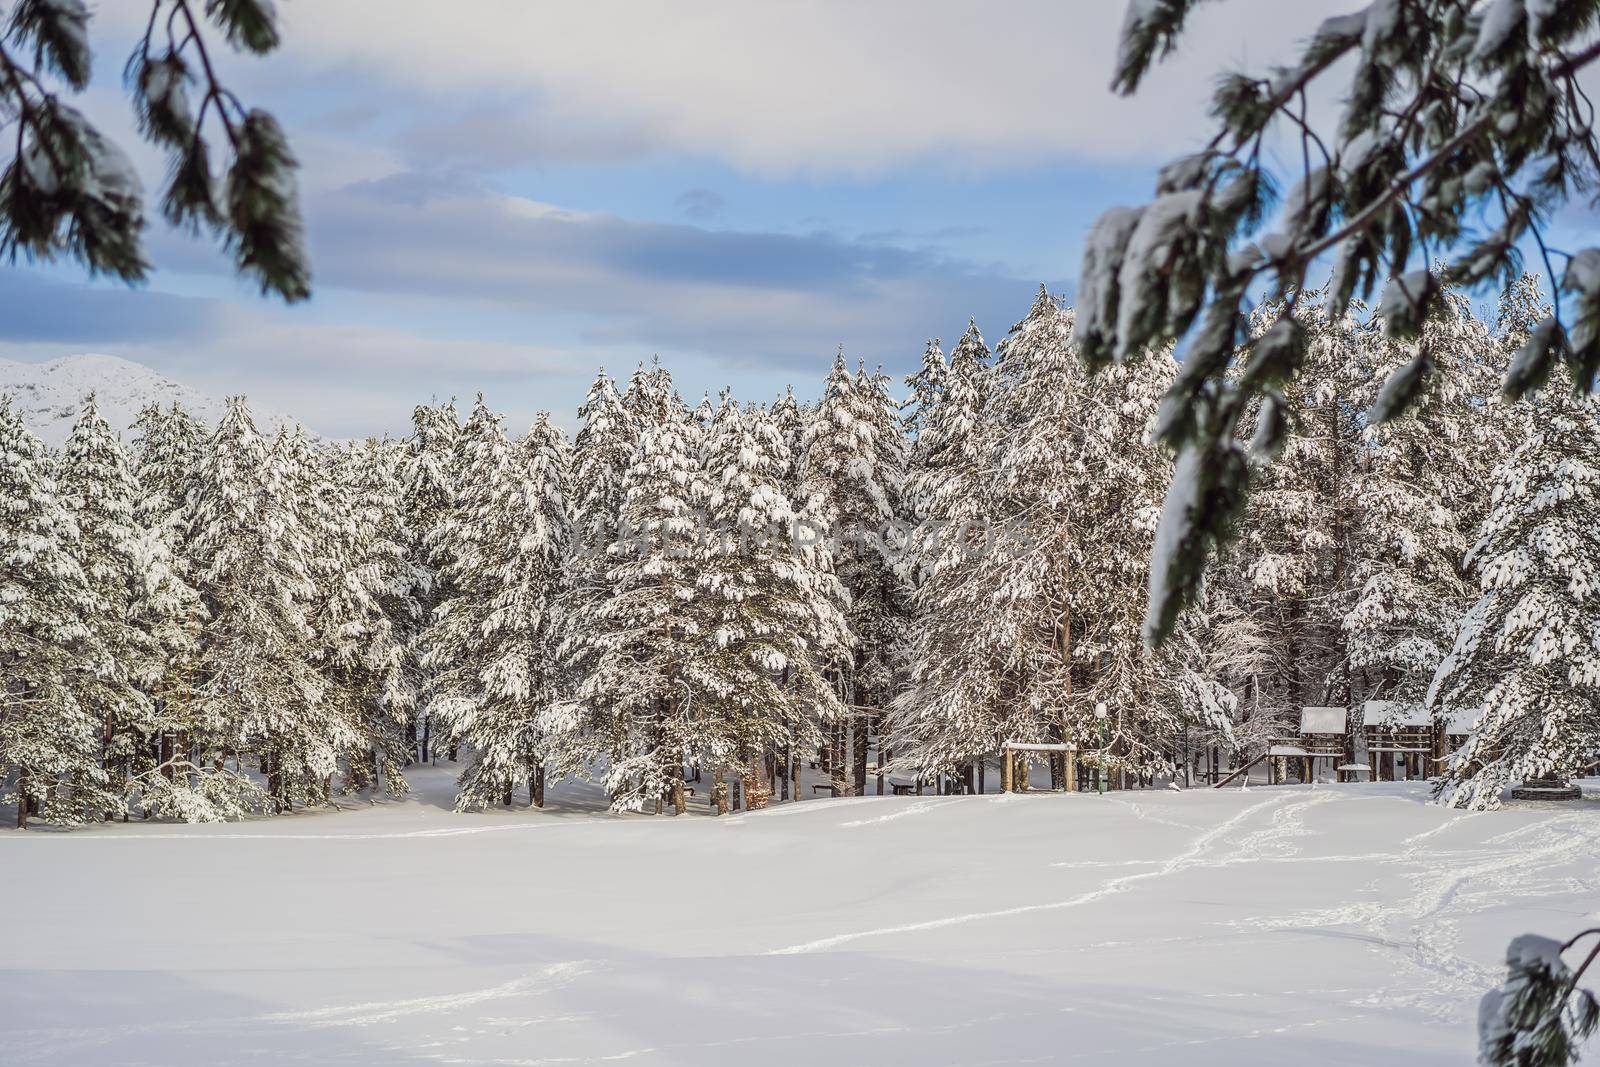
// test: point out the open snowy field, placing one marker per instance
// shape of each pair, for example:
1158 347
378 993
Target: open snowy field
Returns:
1329 925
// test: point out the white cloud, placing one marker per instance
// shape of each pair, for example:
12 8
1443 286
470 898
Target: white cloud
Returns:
827 87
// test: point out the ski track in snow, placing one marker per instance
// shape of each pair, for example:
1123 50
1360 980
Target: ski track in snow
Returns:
379 1011
778 1039
921 807
1419 929
1197 848
50 1045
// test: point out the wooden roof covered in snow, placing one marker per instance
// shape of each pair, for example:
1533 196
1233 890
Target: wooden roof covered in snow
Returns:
1394 713
1322 720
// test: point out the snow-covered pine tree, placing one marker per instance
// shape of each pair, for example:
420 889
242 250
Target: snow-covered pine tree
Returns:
429 477
366 584
1421 488
1031 620
987 662
166 455
638 651
51 743
650 398
450 641
881 604
313 513
705 413
1152 697
949 455
183 783
188 781
1295 545
790 420
1527 654
99 491
256 690
772 605
499 624
925 389
601 453
854 468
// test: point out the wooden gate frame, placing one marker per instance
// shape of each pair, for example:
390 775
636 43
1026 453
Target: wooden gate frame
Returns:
1009 750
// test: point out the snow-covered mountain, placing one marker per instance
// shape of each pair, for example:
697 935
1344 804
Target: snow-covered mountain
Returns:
49 394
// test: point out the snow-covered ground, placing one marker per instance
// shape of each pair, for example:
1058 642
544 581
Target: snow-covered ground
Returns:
1327 924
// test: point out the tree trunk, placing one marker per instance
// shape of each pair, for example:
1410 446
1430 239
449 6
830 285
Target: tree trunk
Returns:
538 786
756 790
679 804
719 792
862 724
274 772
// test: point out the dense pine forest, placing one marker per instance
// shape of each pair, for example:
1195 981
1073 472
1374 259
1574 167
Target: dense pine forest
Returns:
203 623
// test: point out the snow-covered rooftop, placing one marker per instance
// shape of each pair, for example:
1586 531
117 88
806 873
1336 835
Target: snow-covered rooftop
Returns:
1394 713
1322 720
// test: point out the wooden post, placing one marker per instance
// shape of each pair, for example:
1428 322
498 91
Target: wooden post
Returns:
1006 771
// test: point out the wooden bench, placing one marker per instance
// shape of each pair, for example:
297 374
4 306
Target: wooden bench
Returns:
832 788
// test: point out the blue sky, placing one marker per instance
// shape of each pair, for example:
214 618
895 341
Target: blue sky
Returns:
503 196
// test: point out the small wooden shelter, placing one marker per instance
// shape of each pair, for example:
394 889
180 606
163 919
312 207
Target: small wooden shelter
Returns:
1014 764
1399 737
1322 735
